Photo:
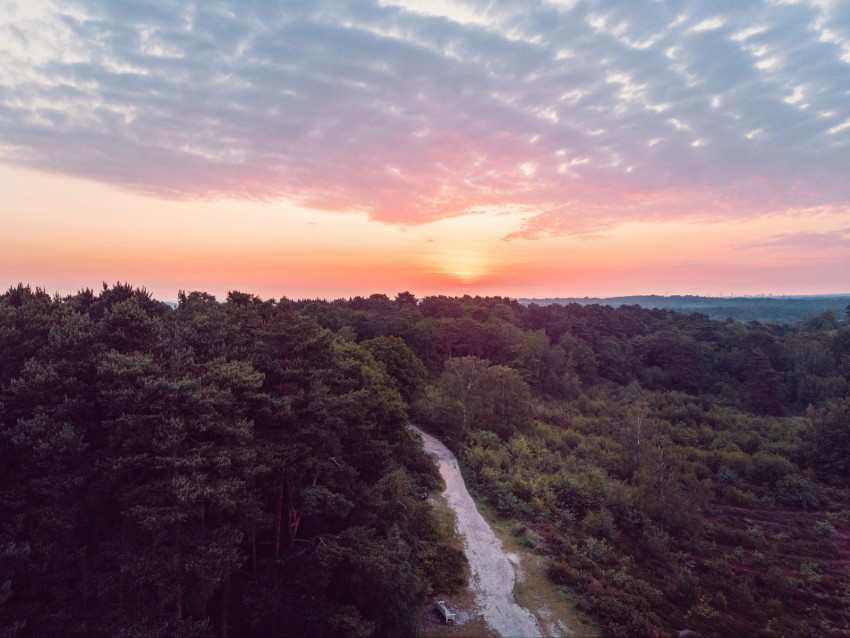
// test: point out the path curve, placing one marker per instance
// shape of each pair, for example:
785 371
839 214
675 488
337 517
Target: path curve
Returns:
492 574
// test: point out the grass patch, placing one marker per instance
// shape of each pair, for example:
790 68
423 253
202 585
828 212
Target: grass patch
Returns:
443 517
446 562
553 605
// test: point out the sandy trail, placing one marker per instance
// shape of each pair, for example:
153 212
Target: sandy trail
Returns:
492 573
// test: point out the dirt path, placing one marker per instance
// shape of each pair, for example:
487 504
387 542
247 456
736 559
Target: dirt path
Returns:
493 571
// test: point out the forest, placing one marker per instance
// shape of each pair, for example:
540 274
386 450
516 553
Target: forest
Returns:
244 467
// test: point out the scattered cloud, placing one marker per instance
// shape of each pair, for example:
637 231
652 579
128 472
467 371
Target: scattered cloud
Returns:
581 114
806 241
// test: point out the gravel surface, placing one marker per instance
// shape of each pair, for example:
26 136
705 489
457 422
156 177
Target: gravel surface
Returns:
492 570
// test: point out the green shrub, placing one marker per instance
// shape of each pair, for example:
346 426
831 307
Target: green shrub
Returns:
779 584
445 567
768 469
812 572
655 540
824 529
755 534
727 476
600 524
796 491
684 588
732 459
598 551
735 496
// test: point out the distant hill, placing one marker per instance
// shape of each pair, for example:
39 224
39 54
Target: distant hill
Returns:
766 309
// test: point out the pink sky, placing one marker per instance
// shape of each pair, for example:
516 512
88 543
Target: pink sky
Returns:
71 234
546 148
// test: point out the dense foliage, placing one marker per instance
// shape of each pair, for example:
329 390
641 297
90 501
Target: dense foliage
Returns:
211 468
245 465
679 472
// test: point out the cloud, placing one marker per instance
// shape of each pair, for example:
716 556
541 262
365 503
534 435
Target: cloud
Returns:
581 114
806 241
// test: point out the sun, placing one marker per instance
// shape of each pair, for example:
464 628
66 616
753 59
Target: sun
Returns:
465 267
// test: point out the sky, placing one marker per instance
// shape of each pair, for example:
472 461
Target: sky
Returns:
527 148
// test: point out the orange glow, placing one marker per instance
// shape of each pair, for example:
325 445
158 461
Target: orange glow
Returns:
65 234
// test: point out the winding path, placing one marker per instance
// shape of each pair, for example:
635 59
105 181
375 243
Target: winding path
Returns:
493 574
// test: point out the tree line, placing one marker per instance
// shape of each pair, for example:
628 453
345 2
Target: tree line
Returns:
773 309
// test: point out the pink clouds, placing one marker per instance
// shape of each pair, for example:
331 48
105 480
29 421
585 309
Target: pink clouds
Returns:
586 117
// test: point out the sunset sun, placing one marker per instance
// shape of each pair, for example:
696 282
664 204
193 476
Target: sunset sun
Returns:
465 268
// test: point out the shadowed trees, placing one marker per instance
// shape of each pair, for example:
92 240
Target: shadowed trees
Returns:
244 467
829 441
220 467
471 394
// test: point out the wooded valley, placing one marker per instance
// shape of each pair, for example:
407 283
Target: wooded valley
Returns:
245 468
